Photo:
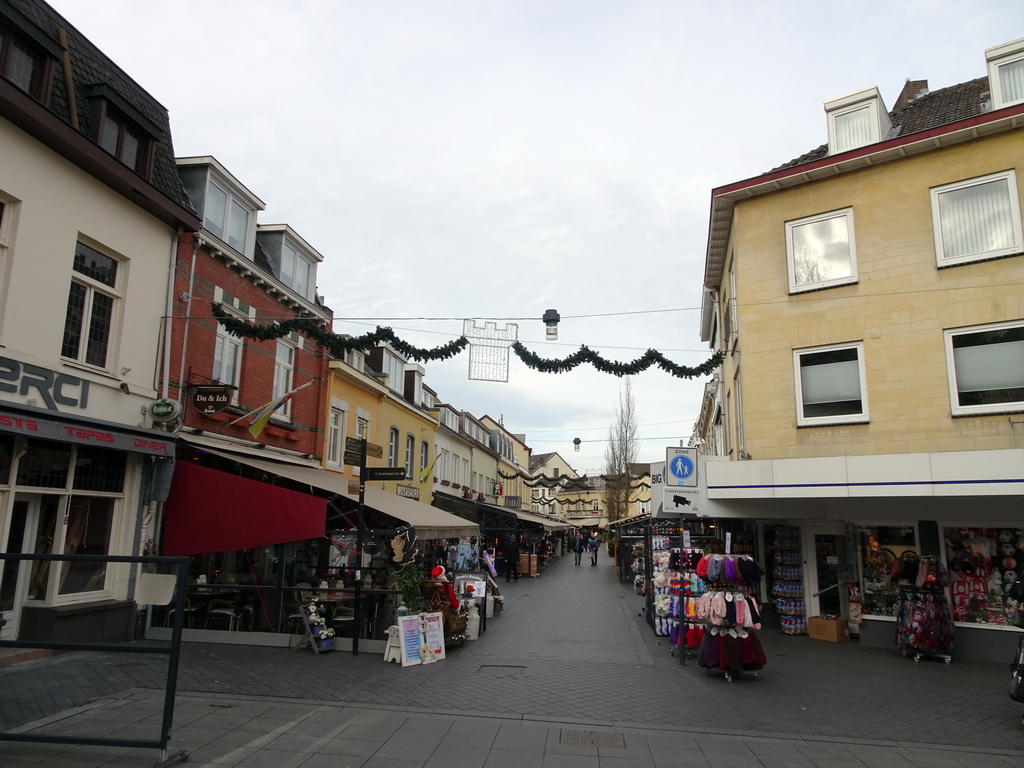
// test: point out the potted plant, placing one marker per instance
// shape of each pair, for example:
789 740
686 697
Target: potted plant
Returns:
410 581
322 634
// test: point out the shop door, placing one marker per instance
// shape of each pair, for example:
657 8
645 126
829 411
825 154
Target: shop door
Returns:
23 538
827 570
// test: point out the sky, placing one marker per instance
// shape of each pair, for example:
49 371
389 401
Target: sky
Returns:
490 160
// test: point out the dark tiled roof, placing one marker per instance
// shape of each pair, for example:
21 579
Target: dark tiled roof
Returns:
90 67
938 108
537 459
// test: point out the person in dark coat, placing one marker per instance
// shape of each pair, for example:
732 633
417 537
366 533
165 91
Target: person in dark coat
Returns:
578 544
511 554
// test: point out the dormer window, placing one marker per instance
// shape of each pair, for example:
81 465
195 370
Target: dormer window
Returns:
292 258
228 209
26 56
121 129
226 217
1006 73
856 120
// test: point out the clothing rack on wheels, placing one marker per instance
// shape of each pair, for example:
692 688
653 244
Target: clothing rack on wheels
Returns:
924 621
686 587
730 642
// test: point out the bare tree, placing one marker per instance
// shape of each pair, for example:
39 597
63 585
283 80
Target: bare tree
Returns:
620 455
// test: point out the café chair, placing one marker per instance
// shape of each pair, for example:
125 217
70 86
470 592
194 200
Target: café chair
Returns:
222 610
187 615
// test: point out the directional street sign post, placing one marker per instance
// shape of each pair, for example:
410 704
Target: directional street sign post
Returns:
385 473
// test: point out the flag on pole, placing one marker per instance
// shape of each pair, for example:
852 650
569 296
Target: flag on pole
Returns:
260 417
428 470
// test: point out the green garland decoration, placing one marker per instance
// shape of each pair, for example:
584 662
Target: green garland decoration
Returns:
337 345
568 483
642 363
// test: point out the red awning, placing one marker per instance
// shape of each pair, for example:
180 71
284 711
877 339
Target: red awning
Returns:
211 511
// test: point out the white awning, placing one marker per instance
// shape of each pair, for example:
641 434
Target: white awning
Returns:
549 523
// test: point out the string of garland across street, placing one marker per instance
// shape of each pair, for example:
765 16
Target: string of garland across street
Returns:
338 345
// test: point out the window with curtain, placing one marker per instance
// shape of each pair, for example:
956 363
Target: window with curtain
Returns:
821 251
830 385
410 456
855 128
1011 82
986 369
977 219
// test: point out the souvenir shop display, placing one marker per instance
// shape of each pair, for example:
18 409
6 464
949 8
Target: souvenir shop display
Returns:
982 564
731 615
787 579
924 622
659 543
689 631
662 576
879 546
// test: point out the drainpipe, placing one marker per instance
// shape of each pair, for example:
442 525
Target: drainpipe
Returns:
168 313
188 314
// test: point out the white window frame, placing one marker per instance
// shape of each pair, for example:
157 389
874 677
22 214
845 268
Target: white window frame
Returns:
334 442
1008 54
1013 200
791 226
284 377
224 225
93 287
224 347
1011 370
7 208
394 368
294 262
393 437
410 456
876 123
845 418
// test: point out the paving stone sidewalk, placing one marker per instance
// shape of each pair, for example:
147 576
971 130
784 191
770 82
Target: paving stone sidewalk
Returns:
570 665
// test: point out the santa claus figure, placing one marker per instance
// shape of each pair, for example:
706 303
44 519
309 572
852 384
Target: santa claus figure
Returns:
438 577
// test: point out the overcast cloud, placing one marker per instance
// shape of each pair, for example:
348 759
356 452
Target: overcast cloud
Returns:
474 159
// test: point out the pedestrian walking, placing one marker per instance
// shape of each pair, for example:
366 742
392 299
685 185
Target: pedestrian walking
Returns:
578 545
511 555
592 545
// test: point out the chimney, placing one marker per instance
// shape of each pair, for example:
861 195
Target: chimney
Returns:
912 89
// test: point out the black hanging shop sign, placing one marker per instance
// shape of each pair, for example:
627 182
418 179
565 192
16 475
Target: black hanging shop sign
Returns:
211 399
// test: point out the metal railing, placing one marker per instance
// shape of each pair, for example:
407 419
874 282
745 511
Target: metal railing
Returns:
172 651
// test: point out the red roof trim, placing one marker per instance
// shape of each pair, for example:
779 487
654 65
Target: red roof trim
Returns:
871 149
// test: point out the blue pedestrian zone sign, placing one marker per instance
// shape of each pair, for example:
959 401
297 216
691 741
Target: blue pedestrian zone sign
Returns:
681 466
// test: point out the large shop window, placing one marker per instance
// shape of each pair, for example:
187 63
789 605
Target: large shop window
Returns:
212 511
986 369
982 563
830 385
73 523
